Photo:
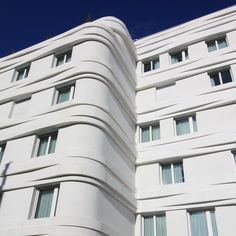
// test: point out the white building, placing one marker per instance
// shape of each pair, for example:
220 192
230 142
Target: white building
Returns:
92 144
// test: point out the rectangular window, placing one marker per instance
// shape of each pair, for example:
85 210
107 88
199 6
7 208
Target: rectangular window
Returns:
20 108
63 58
220 77
203 223
45 202
179 56
172 173
65 94
151 65
22 73
217 44
186 125
154 225
47 144
150 133
2 149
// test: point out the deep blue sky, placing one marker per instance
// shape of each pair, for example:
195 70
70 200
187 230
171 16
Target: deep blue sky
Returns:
27 22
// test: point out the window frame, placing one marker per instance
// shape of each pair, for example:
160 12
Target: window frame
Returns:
65 57
37 143
151 61
215 40
35 201
25 68
208 219
190 121
154 216
219 71
172 172
150 126
61 88
184 55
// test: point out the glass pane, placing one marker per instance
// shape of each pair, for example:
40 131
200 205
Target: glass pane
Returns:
52 144
198 224
182 126
222 43
211 46
68 56
166 174
60 59
27 71
156 64
63 95
148 226
44 203
161 225
186 54
20 75
226 76
2 149
147 66
178 172
145 134
155 132
213 223
42 146
215 79
234 154
177 57
195 129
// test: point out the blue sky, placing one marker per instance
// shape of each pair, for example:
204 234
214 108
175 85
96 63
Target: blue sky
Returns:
27 22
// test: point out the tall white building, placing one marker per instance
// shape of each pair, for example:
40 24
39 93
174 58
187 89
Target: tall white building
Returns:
100 135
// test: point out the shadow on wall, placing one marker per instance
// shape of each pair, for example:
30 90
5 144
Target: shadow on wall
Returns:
3 182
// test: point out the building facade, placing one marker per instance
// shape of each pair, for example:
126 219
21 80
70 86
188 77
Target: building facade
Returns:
100 135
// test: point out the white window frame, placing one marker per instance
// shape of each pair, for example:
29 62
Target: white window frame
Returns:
208 218
38 138
220 76
172 172
190 120
26 69
154 225
57 91
185 56
64 54
151 61
150 132
36 198
216 43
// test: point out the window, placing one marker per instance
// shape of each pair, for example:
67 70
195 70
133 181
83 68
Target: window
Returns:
151 65
172 173
234 156
216 44
45 202
220 77
22 73
20 107
154 225
149 133
63 58
179 56
186 125
2 149
65 94
46 144
203 223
